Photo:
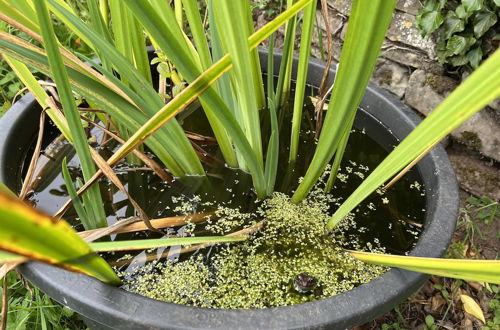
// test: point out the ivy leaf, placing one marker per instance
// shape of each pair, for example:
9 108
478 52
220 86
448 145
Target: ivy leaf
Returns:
429 17
433 5
455 45
483 21
475 56
452 23
472 5
462 13
457 60
428 22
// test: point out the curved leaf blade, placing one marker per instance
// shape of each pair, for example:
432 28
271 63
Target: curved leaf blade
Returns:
162 242
479 89
475 270
27 232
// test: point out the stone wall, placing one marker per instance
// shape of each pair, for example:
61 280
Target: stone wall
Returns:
408 69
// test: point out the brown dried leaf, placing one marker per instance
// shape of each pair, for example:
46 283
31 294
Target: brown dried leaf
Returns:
108 171
467 324
437 302
475 285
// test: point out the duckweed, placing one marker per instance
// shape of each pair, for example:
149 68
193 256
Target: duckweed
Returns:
261 272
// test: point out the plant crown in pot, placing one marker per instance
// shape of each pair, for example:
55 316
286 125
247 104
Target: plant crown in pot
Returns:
121 97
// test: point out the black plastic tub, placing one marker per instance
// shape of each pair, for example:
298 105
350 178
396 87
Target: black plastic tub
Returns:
107 307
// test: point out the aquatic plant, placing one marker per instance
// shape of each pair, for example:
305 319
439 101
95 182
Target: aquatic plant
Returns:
227 81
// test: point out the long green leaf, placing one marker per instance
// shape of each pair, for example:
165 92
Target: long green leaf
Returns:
25 75
29 233
6 190
77 203
272 155
96 92
225 116
178 144
129 38
196 25
9 257
223 86
175 45
339 154
257 80
368 24
285 74
98 24
70 111
13 13
300 86
473 270
228 16
479 89
162 242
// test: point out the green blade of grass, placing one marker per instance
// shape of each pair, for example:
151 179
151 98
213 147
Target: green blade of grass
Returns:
170 39
228 15
77 203
175 45
285 74
70 111
272 155
225 116
96 93
129 38
368 24
300 87
104 9
29 233
25 75
162 242
13 13
178 143
478 90
196 25
258 83
223 86
6 257
179 17
100 27
473 270
270 73
6 190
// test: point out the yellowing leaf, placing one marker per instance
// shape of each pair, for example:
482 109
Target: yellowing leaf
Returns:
471 307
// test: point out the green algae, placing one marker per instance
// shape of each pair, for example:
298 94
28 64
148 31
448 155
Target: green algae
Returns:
260 272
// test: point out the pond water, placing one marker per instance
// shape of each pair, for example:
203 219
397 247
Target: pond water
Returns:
389 221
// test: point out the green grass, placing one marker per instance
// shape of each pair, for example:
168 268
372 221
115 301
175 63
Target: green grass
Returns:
10 85
29 308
